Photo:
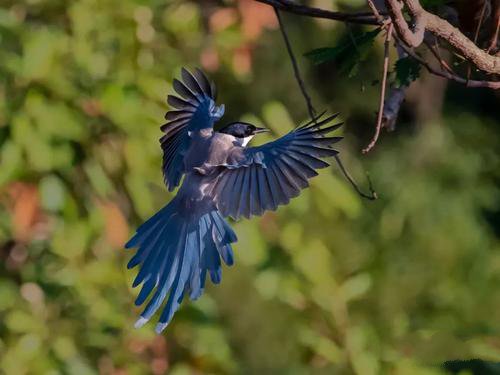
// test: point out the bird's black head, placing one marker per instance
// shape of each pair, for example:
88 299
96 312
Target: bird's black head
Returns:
242 130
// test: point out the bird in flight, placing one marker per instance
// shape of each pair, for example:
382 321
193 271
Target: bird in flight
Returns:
186 239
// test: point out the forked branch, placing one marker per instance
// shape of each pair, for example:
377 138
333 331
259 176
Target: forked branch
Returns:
412 36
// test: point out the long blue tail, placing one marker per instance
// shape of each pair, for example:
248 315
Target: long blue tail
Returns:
176 250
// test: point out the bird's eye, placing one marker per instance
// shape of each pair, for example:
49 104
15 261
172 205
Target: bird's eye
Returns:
250 129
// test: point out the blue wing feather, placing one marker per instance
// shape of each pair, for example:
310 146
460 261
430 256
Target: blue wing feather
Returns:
266 176
195 110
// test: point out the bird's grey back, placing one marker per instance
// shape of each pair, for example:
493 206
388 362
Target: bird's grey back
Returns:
209 149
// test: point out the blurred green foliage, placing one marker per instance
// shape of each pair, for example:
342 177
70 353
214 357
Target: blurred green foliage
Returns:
329 284
348 54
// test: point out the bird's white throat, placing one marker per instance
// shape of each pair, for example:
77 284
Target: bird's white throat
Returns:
245 140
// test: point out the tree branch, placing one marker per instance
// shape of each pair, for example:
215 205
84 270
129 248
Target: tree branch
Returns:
365 18
373 194
375 12
396 95
496 27
423 21
312 111
435 51
441 28
444 30
447 74
411 37
382 91
296 71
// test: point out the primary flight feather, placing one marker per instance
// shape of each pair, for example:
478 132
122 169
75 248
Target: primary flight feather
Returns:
184 242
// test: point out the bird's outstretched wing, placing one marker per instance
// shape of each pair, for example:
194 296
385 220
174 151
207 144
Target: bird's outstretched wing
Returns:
195 110
257 179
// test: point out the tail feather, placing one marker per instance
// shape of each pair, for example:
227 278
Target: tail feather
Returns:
146 247
143 234
175 253
222 235
149 262
178 287
195 280
227 254
154 280
166 279
216 275
146 290
147 228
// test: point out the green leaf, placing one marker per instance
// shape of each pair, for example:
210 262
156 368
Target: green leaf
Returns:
407 71
347 54
52 193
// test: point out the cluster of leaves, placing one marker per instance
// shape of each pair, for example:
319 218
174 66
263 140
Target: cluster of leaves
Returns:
353 50
407 70
348 54
327 284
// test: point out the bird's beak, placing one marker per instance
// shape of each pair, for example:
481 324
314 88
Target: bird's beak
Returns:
260 130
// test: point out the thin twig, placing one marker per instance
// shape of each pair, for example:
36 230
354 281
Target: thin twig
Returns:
296 70
446 74
479 24
291 7
435 51
312 111
375 12
373 194
476 35
496 21
382 91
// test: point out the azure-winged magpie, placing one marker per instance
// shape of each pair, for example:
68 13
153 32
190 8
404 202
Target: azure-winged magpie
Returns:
223 177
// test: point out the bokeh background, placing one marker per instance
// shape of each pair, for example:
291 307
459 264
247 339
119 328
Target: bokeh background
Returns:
330 284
